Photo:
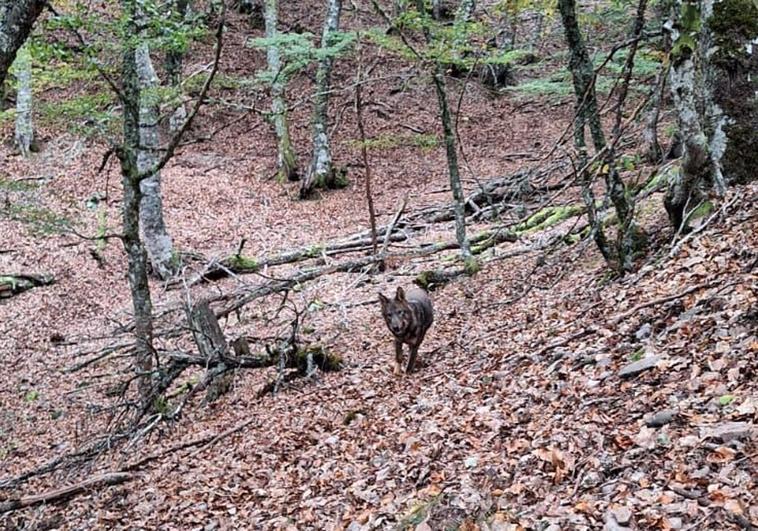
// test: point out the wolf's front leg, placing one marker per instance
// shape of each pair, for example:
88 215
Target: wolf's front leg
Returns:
412 358
398 356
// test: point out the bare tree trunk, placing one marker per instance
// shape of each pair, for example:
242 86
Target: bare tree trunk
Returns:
286 160
653 151
586 105
17 17
130 178
452 164
364 149
451 148
157 241
173 66
24 127
583 76
321 172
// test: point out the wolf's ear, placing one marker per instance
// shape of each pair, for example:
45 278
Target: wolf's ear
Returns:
384 300
400 294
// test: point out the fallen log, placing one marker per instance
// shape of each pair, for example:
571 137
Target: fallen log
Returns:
14 284
112 478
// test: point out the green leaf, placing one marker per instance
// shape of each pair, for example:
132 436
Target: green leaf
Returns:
725 400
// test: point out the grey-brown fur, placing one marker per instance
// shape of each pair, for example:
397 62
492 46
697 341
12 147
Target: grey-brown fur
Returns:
408 316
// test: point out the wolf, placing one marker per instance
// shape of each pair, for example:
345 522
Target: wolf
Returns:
408 316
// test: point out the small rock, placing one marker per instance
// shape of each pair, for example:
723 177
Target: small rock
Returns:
660 419
611 524
643 332
622 514
731 431
633 369
675 522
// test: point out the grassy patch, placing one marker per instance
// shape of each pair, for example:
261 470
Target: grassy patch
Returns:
425 142
10 185
40 221
80 114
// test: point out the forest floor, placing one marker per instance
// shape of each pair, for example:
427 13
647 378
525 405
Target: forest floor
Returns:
550 395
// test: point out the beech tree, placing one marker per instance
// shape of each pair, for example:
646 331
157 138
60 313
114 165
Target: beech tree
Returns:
714 68
157 240
24 127
286 159
321 172
586 115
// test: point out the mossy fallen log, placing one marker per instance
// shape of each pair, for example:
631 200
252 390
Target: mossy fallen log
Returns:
14 284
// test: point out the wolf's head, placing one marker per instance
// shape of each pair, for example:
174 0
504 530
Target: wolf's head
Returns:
397 313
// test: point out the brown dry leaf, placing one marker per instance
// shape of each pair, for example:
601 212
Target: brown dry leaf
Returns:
722 454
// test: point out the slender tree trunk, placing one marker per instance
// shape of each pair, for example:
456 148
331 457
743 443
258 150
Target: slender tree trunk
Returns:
24 127
364 150
173 65
286 159
451 149
629 233
583 76
452 164
17 17
130 175
157 240
687 88
653 151
321 172
585 107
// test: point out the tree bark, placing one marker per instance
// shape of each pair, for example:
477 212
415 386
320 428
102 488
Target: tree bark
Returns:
157 240
17 18
111 478
24 126
586 113
451 149
452 164
714 68
321 172
653 151
14 284
130 178
286 159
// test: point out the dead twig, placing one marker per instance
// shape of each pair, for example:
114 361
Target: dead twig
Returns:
655 302
111 478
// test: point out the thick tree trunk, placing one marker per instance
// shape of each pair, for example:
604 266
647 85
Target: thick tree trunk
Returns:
321 172
286 160
17 17
11 285
157 241
24 127
714 82
130 177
